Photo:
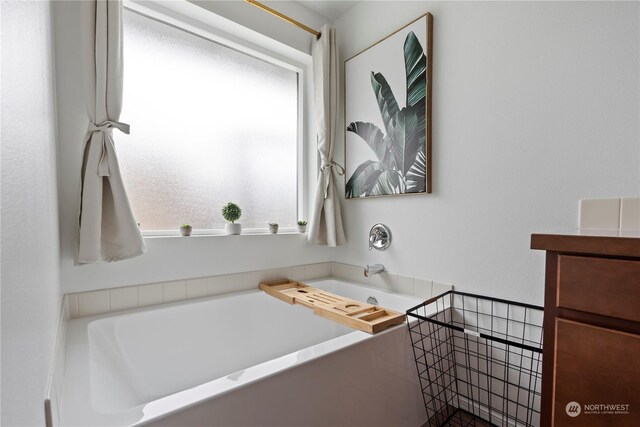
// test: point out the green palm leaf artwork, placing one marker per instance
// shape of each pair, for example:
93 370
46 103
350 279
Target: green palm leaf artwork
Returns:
401 165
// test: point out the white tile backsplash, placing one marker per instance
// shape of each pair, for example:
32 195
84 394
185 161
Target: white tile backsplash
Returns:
299 273
150 294
440 288
423 288
601 214
227 283
92 303
197 288
339 270
388 281
405 285
610 214
630 214
268 275
218 285
236 282
98 302
353 273
284 273
175 291
66 311
251 280
310 271
317 271
123 298
73 306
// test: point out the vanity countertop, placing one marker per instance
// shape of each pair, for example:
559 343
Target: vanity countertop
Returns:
625 243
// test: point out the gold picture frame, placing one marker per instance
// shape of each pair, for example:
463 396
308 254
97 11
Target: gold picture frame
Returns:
386 150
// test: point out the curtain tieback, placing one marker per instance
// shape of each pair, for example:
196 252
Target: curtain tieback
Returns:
326 167
107 128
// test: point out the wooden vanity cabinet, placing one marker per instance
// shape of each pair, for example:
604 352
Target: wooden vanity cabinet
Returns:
591 353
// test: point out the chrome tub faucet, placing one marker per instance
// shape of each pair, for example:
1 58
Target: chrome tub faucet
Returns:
371 270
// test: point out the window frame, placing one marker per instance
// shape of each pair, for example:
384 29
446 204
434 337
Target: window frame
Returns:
195 23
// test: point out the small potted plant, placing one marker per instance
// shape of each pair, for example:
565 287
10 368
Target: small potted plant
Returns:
185 230
232 212
273 227
302 226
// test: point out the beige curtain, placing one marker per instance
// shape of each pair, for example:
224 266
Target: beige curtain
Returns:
326 223
108 229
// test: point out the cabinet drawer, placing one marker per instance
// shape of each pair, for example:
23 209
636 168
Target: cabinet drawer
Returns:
609 287
596 366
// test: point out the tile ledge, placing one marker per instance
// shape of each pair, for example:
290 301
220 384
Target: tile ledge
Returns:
218 233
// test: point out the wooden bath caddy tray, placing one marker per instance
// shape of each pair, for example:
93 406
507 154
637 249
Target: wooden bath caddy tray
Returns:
355 314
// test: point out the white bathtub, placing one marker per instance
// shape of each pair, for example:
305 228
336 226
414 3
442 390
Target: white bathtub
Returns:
191 363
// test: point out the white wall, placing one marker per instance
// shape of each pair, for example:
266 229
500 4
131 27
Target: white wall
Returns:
535 105
31 293
167 258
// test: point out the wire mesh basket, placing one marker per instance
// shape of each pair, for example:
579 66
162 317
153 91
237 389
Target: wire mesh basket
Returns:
479 360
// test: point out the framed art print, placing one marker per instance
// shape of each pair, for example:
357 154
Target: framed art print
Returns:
388 114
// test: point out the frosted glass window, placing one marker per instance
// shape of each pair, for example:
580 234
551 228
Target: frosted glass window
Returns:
209 125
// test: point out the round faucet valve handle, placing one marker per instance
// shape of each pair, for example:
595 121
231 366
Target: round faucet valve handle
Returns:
379 237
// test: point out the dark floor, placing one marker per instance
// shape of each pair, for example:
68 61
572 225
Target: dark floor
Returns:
453 417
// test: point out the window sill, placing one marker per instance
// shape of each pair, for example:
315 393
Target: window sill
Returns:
219 233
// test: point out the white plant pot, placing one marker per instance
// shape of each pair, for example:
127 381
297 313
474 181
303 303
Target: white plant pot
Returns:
231 228
185 231
273 228
302 228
